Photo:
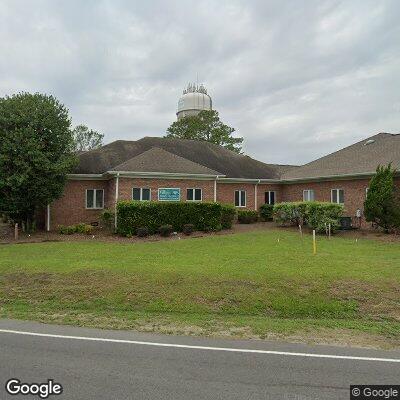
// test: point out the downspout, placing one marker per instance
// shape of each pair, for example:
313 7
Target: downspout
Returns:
215 188
48 218
255 194
116 201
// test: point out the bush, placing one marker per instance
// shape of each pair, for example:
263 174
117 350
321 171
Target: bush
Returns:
188 229
317 215
228 214
290 213
79 228
247 216
134 214
83 228
142 231
107 217
266 211
165 230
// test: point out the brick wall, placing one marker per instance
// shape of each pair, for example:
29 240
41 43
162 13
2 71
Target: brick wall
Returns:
126 185
71 207
226 193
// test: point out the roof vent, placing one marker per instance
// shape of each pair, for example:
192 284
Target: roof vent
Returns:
369 141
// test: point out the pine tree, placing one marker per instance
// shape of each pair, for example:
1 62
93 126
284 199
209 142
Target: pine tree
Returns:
382 205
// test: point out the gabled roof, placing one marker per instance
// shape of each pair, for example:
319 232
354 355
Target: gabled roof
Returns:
208 155
159 160
358 159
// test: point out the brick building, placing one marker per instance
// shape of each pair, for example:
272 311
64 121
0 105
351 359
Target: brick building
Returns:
159 169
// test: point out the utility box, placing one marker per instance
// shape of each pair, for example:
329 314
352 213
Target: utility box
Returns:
345 223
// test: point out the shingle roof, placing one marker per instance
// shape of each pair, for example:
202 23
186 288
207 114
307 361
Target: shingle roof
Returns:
205 154
360 158
159 160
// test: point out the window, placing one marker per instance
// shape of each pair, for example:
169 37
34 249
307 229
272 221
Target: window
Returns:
308 195
194 195
141 194
337 196
240 198
366 192
270 197
95 198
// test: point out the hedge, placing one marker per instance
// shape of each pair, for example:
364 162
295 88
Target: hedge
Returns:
266 212
317 215
247 216
132 215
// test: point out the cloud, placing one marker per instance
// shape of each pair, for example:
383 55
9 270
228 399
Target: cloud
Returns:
296 79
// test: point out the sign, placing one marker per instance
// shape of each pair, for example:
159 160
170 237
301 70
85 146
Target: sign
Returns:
169 194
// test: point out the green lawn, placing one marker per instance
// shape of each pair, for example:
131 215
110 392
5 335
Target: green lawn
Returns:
243 284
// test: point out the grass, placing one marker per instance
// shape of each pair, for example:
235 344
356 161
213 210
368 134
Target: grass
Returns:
246 284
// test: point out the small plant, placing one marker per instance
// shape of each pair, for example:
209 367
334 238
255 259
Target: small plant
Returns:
247 216
266 212
165 230
142 231
188 229
83 228
107 218
66 230
78 228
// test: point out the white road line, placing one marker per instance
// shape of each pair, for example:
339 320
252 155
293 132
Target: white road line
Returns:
186 346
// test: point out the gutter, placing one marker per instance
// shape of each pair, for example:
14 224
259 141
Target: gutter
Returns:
255 194
167 175
215 188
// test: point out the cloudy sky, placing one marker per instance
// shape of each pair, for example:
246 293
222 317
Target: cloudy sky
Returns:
297 79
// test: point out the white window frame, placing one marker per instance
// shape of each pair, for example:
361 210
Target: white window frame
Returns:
366 192
307 197
94 199
194 191
141 193
337 196
269 196
240 198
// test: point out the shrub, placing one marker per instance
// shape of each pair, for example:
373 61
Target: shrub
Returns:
382 205
247 216
107 217
142 231
66 230
79 228
188 229
290 213
228 213
83 228
317 215
165 230
134 214
266 211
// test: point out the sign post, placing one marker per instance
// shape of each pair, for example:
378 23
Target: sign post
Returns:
314 242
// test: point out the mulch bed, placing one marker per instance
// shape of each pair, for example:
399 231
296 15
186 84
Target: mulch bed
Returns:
100 235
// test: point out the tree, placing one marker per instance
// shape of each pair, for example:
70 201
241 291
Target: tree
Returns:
382 205
86 139
208 127
36 153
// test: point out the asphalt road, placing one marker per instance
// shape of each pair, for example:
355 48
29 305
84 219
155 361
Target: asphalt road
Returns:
91 369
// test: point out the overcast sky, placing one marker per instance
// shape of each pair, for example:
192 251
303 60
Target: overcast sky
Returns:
297 79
